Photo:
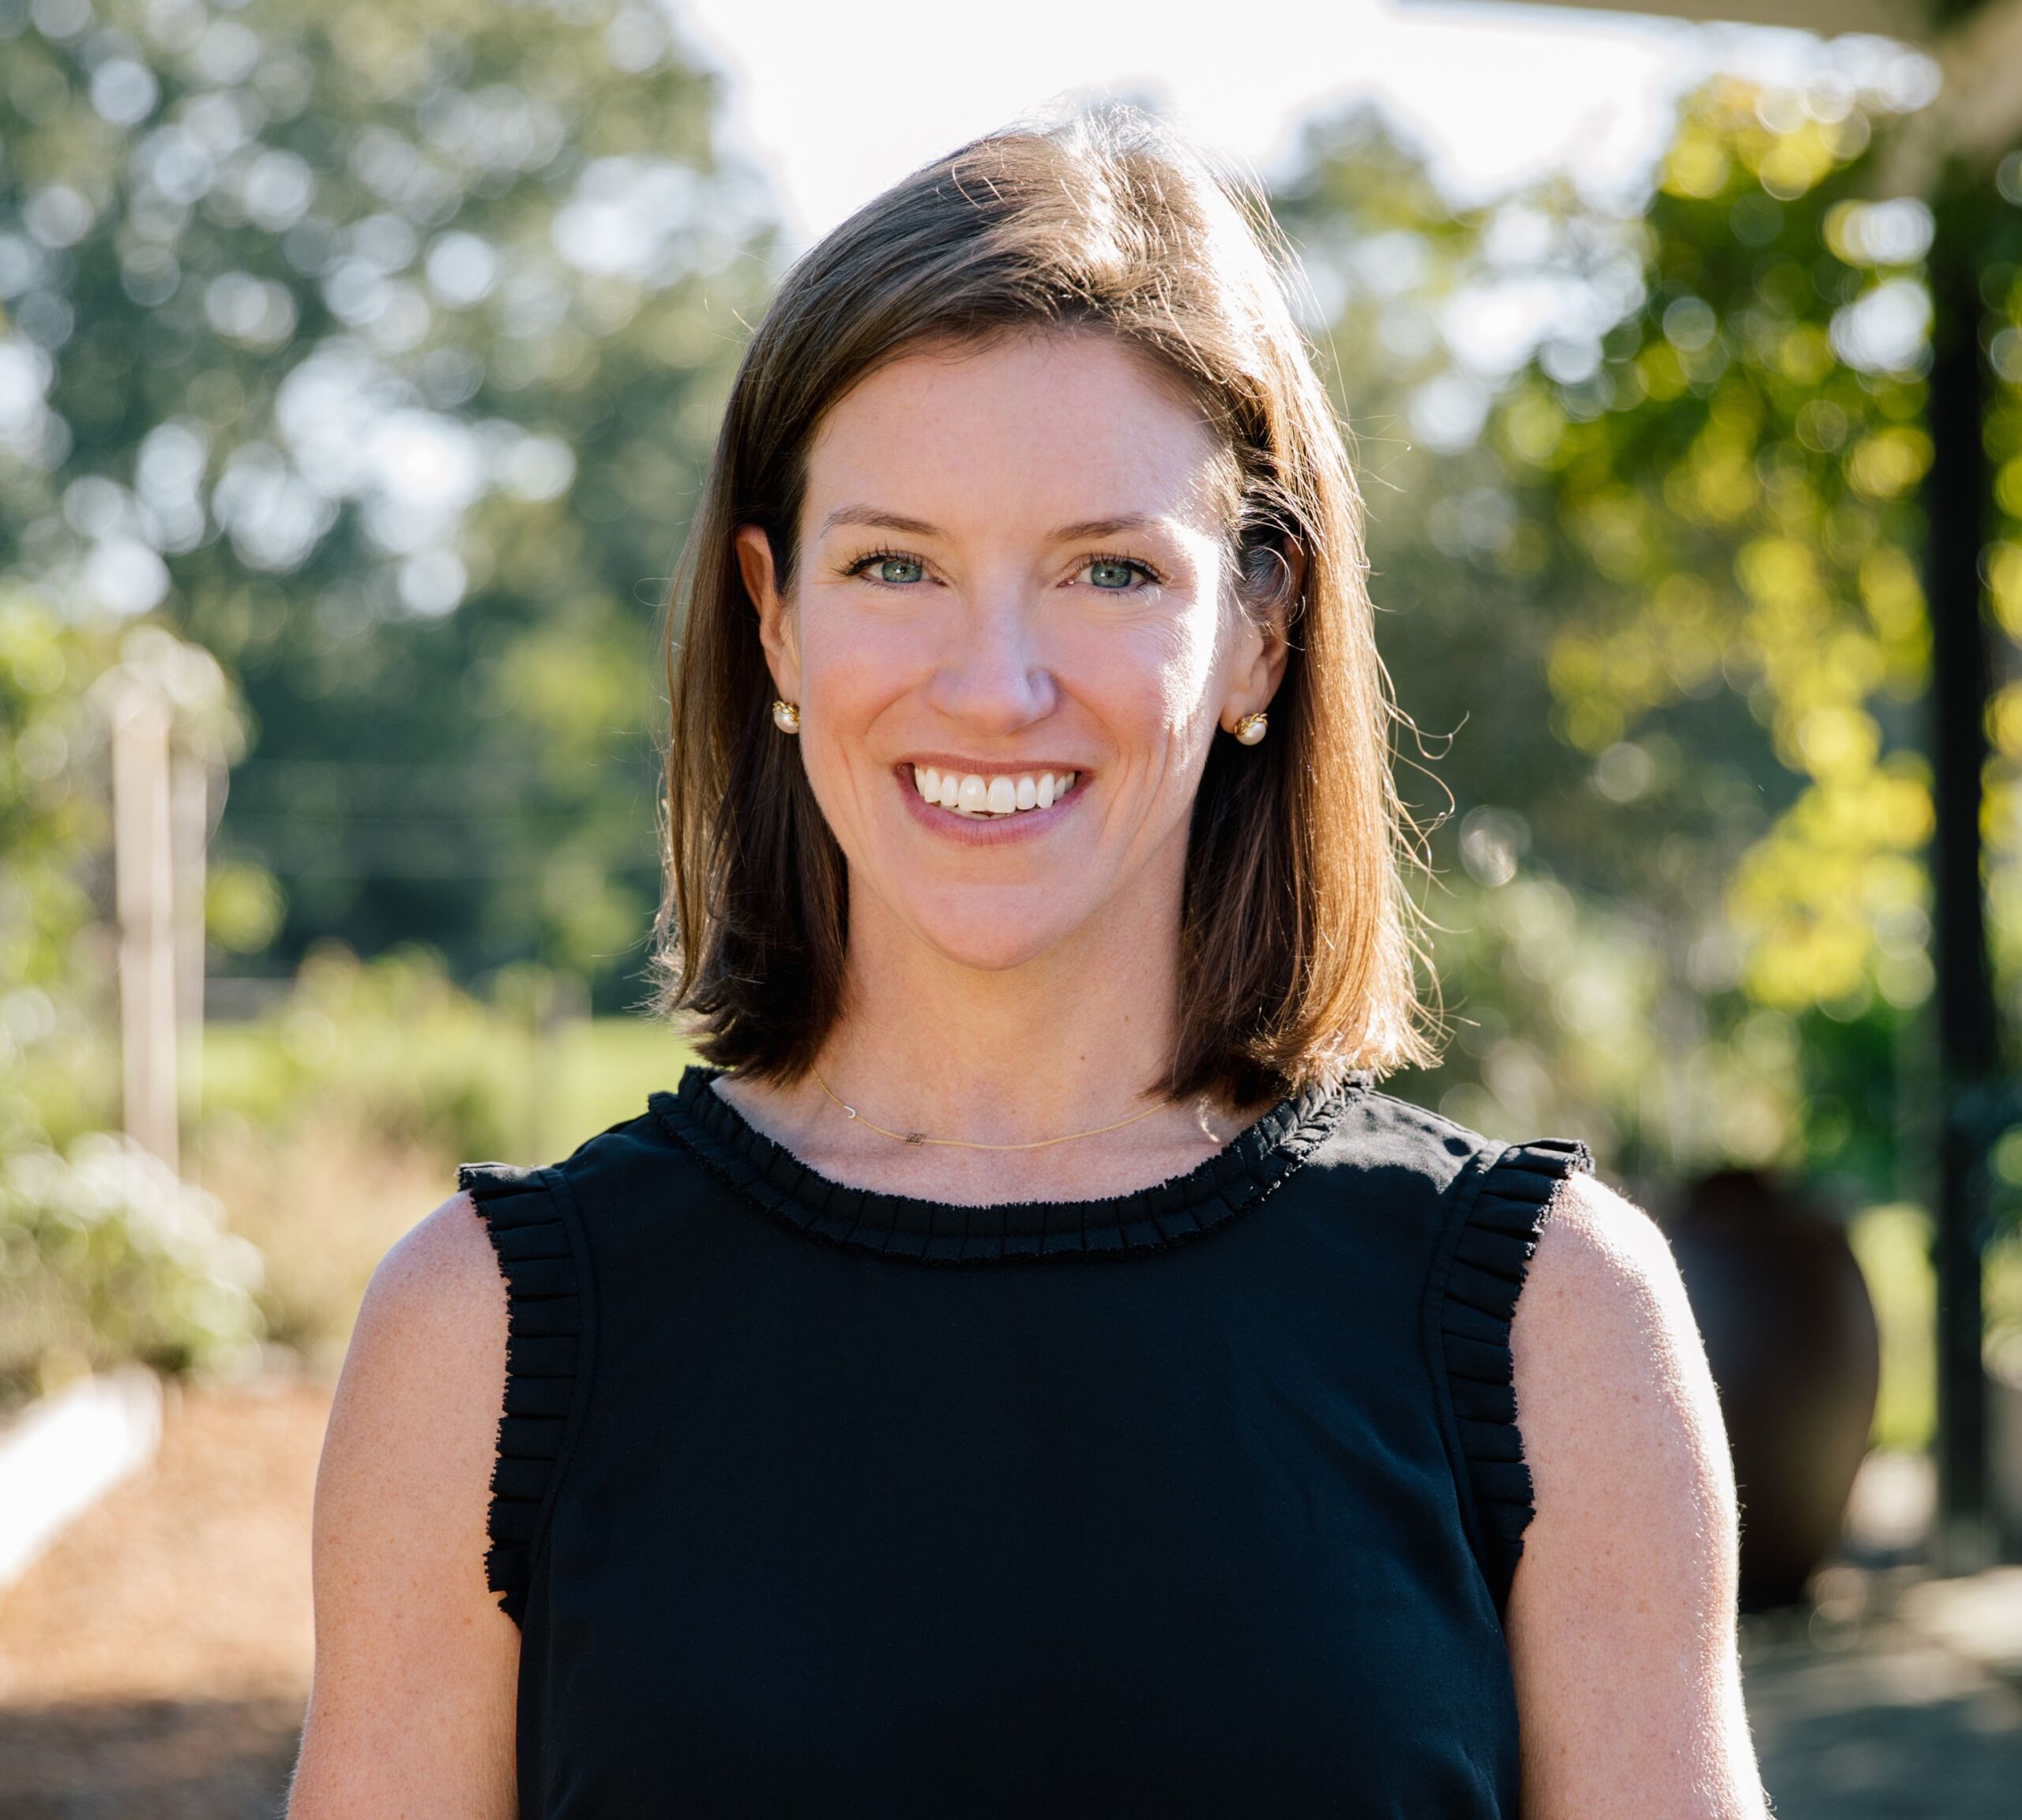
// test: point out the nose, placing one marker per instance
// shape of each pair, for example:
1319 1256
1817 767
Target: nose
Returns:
993 676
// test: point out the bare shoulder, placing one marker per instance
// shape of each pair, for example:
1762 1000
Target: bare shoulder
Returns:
1603 1315
1618 1416
411 1708
427 1363
442 1276
1622 1618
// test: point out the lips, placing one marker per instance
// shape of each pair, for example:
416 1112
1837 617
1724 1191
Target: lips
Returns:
998 794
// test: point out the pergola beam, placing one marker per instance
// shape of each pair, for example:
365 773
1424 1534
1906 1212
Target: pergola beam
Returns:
1905 18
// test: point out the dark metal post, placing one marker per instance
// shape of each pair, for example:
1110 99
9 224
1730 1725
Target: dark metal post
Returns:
1956 496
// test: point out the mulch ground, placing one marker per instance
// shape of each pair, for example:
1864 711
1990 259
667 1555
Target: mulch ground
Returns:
155 1663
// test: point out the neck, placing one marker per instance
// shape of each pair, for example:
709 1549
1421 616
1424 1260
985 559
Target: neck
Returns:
1073 1038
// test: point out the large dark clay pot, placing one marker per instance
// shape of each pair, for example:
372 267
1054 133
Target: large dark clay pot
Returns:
1790 1336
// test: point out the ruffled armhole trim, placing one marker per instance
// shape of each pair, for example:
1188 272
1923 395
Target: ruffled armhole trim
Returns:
544 1349
1498 1233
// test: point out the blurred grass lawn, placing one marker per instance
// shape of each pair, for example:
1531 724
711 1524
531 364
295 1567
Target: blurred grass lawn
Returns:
601 1071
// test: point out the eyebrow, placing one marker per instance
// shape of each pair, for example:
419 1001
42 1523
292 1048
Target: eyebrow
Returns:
1114 527
878 519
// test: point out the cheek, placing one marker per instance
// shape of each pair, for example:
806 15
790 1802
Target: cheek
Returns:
1191 657
1184 661
1195 661
853 663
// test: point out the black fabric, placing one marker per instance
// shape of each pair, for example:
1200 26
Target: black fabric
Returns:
1206 1500
543 1361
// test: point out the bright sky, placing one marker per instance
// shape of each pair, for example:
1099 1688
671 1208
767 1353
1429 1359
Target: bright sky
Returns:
837 98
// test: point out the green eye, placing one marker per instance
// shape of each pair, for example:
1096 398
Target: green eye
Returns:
896 571
1107 573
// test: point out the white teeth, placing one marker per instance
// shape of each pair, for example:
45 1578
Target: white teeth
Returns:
970 794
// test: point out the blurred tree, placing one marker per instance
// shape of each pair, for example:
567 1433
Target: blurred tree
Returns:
377 347
53 832
1658 498
2001 291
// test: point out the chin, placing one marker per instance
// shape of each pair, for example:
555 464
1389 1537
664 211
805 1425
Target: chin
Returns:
969 929
989 951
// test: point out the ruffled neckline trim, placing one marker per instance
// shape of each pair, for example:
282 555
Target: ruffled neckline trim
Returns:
1233 1180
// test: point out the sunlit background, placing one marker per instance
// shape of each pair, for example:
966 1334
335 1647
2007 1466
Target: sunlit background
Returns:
358 367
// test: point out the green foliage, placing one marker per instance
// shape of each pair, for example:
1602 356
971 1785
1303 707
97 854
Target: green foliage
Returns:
105 1256
52 831
377 347
1748 486
1650 588
242 907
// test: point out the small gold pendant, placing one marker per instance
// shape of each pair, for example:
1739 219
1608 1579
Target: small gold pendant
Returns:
915 1136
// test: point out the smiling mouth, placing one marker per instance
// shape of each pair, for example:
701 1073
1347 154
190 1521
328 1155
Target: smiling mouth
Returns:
969 793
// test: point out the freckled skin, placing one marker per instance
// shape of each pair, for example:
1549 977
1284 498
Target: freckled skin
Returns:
1027 988
1621 1617
412 1711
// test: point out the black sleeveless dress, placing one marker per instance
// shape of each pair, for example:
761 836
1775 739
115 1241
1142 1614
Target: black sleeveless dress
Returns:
1201 1501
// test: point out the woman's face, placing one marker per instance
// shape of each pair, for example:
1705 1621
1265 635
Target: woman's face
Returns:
1011 635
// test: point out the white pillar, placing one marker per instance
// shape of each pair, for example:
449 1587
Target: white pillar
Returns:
145 891
189 833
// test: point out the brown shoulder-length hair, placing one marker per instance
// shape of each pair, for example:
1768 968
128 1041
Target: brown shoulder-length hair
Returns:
1298 948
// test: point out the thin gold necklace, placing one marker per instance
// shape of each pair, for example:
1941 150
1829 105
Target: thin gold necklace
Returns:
920 1138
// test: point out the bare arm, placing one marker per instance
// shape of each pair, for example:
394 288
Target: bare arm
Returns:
412 1711
1621 1618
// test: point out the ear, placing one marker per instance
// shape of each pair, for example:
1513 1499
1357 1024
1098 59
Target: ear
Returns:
777 630
1263 643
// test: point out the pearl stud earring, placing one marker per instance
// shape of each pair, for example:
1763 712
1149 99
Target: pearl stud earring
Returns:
1249 729
786 716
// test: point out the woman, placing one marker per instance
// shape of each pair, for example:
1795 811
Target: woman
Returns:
1035 1371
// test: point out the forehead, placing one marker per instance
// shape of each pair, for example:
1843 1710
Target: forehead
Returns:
1060 428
